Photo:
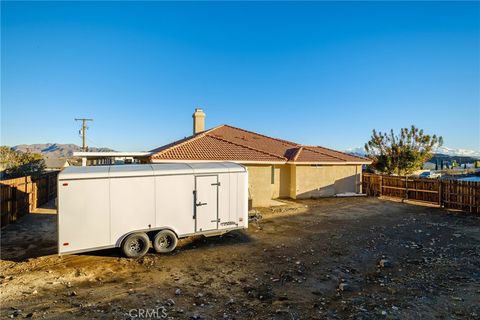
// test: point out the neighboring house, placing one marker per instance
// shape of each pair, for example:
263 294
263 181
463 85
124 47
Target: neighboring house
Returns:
277 168
429 166
52 164
100 158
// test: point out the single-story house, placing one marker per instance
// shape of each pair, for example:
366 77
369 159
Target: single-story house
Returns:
277 168
53 164
429 166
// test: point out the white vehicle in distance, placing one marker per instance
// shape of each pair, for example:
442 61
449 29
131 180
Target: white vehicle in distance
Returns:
430 175
133 206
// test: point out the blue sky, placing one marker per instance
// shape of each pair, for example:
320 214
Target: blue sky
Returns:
314 73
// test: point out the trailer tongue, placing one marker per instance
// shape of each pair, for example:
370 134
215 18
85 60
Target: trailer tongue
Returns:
134 207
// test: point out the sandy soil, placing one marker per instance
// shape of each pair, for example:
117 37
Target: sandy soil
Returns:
360 258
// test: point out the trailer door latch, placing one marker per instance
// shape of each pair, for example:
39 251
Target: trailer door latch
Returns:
216 184
199 204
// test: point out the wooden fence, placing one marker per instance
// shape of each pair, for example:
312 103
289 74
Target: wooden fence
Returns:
451 194
22 195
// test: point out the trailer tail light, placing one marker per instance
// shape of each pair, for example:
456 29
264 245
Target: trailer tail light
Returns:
66 243
65 184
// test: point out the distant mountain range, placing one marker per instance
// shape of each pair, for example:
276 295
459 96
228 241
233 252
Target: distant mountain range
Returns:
441 151
458 152
54 150
441 154
438 158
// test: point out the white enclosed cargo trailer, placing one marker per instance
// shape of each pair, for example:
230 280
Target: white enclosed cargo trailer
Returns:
130 206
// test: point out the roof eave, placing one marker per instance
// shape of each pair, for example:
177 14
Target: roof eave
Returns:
235 161
331 162
88 154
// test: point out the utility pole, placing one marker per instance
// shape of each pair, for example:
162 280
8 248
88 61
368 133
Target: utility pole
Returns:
83 131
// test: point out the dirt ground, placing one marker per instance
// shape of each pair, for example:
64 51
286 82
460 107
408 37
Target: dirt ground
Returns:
339 258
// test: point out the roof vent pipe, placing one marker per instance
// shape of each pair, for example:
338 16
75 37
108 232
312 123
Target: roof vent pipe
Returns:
198 121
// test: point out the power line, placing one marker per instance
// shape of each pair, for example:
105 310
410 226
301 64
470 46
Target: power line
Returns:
83 131
93 143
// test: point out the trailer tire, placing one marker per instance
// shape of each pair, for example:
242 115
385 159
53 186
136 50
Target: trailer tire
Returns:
165 241
136 245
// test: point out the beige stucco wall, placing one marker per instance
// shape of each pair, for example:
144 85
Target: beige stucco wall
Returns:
292 192
300 181
326 180
260 186
283 179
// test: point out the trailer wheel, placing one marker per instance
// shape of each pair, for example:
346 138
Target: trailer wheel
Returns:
136 245
165 241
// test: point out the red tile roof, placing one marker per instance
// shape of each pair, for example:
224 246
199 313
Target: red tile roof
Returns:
227 143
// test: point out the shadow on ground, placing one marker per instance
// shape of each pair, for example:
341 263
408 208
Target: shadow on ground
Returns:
191 243
33 235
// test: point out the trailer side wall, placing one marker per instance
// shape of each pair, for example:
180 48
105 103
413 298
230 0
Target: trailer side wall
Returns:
84 221
132 202
174 203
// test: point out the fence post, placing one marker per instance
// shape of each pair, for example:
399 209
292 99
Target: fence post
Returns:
406 187
380 190
15 211
446 192
470 194
48 188
26 197
440 192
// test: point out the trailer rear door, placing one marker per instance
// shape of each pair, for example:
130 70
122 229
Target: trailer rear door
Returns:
84 214
206 203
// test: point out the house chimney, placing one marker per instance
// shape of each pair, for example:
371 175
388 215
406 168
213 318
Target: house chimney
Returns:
198 121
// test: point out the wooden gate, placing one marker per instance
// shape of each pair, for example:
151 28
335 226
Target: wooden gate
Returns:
22 195
451 194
